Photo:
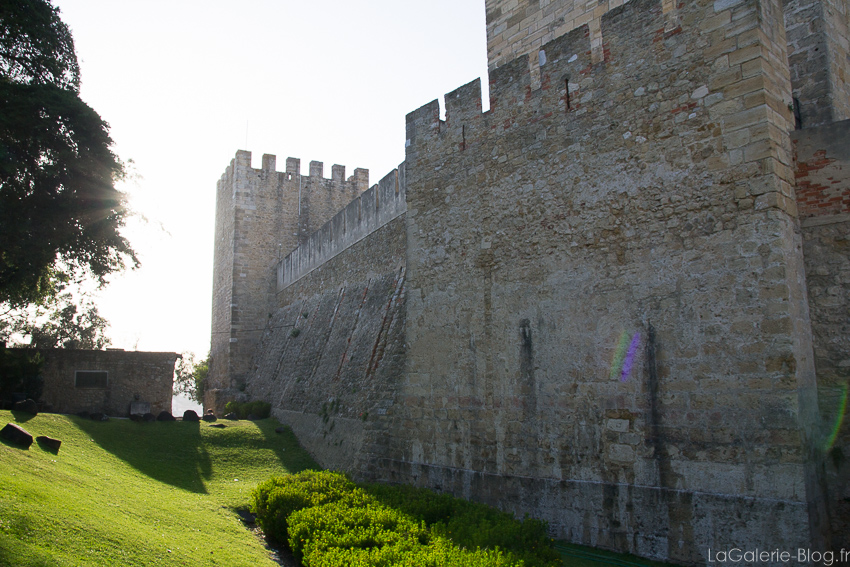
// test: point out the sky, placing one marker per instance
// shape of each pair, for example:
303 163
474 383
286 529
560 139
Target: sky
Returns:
184 84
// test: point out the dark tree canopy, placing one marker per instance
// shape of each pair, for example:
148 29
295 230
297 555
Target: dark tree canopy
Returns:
36 46
59 209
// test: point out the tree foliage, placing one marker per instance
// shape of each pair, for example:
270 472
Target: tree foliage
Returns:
67 322
20 372
59 209
190 376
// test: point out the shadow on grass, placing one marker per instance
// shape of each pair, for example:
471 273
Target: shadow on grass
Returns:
13 446
179 453
22 416
286 446
171 452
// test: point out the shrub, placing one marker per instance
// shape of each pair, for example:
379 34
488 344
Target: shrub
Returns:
327 520
352 524
471 524
276 499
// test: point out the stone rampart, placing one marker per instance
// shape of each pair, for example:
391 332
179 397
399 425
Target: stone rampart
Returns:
823 197
333 352
590 303
640 204
364 215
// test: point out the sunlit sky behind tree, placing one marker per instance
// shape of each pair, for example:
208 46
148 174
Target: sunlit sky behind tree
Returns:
184 84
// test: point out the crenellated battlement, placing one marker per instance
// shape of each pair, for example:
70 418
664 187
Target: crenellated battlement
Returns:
360 178
513 100
364 215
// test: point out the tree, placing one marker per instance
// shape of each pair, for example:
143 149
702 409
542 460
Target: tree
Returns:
190 376
67 322
60 212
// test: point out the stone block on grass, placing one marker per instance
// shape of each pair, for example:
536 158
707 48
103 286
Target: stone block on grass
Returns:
16 434
49 442
27 406
190 415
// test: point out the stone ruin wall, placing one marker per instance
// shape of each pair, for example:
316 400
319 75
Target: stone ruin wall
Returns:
823 196
132 376
333 351
261 214
652 194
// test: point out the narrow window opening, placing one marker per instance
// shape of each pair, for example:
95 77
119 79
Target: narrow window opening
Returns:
463 135
567 91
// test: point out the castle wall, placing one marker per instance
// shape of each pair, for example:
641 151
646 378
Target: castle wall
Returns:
261 215
823 195
636 211
356 220
817 33
521 27
333 351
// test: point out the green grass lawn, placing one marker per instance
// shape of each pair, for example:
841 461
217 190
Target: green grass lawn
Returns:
145 494
139 494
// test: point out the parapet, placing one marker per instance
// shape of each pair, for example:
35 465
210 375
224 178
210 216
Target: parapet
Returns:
373 209
360 179
568 59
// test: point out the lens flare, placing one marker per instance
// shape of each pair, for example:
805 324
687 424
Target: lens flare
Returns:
842 409
630 357
624 356
619 355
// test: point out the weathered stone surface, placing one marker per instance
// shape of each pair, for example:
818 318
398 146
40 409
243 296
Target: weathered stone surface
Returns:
594 308
165 416
191 415
127 376
16 434
27 406
49 442
139 408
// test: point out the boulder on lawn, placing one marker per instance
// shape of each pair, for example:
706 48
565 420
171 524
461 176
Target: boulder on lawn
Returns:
16 434
210 416
97 416
27 406
149 417
49 442
232 416
190 415
165 416
84 414
136 417
281 429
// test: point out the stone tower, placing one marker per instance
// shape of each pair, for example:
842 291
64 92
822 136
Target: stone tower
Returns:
261 215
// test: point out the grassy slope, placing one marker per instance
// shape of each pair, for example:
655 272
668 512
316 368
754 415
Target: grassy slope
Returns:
125 493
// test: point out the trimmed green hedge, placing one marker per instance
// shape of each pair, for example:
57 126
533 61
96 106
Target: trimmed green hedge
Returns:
327 521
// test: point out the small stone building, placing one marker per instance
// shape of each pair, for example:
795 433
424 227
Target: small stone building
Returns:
107 381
